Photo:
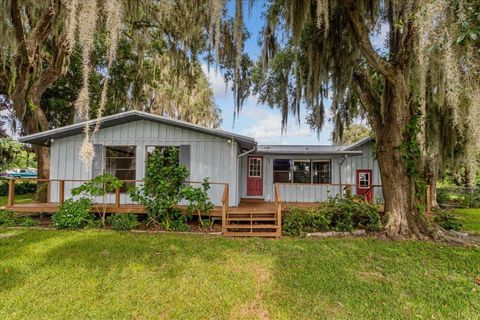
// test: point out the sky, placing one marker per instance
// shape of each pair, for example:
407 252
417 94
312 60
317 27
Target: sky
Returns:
257 120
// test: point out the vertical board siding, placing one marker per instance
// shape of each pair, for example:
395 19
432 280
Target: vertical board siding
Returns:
210 156
316 192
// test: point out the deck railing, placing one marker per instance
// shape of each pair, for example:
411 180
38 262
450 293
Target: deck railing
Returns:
278 210
225 207
112 199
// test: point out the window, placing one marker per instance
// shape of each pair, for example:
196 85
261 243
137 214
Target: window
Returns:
282 171
364 180
321 171
120 162
254 167
164 149
302 171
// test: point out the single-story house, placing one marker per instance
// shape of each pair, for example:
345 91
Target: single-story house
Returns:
304 173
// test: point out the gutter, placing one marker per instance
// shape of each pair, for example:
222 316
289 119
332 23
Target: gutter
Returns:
247 152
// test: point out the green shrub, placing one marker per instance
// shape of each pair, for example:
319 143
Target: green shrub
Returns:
123 221
27 222
21 187
447 220
336 214
7 218
74 214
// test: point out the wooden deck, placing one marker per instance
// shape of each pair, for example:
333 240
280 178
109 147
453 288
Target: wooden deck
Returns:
139 209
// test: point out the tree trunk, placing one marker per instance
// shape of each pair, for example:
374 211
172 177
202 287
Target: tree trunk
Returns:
404 218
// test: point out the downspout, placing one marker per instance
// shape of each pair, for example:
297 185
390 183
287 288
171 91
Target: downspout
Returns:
340 174
247 152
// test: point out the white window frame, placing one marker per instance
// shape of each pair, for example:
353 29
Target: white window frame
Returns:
260 161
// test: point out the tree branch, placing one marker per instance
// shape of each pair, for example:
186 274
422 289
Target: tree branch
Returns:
362 85
18 26
42 28
361 33
54 70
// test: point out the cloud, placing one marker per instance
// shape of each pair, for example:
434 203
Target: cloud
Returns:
266 126
220 90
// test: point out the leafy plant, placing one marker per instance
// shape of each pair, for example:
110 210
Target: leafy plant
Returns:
27 222
447 220
7 218
99 186
339 214
198 200
74 214
123 221
162 188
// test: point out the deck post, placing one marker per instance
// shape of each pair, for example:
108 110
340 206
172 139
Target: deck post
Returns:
117 197
278 208
48 190
224 208
428 199
11 192
61 191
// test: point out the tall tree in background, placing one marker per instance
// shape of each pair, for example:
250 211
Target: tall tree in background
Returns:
353 133
328 51
32 56
161 45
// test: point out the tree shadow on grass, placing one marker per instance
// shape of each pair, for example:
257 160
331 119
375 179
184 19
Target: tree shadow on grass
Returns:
371 279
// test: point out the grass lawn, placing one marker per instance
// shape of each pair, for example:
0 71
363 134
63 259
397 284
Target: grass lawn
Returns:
470 219
21 198
48 274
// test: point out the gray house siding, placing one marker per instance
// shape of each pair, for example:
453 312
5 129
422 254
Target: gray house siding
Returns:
316 192
292 192
364 161
210 156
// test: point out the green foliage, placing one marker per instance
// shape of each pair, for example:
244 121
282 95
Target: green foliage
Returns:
27 222
338 214
9 219
15 155
123 221
21 187
198 201
74 214
447 220
98 186
162 188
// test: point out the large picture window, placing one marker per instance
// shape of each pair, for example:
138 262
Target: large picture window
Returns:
120 162
302 171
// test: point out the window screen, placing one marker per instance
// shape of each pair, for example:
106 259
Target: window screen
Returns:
120 162
321 172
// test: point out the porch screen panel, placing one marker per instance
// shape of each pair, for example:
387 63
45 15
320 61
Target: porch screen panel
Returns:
321 171
97 161
120 162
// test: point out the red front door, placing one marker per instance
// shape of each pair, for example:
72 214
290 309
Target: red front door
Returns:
364 184
254 176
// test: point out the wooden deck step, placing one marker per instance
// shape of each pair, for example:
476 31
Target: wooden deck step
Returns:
250 234
251 219
251 212
251 226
